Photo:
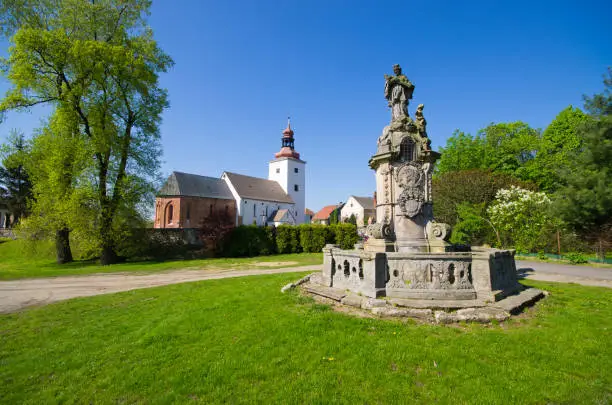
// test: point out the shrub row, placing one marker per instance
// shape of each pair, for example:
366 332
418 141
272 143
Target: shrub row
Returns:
241 241
254 241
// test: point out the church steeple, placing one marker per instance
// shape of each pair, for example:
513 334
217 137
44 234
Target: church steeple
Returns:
287 143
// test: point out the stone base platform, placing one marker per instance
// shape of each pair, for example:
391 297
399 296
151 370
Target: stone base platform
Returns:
429 310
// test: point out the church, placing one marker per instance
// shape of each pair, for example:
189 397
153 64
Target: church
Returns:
190 200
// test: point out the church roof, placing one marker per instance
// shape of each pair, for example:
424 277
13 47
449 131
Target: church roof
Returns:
193 185
255 188
366 202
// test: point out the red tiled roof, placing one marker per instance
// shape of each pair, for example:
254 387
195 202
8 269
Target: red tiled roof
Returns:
325 212
308 212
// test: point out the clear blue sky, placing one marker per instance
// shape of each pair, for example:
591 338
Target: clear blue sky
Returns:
243 66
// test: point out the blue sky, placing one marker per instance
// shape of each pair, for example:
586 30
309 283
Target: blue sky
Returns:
243 66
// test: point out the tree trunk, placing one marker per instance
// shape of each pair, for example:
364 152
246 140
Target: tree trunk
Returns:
108 256
62 246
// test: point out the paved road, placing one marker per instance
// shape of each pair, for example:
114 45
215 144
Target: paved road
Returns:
18 294
565 273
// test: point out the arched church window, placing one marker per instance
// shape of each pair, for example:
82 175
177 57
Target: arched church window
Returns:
407 150
170 214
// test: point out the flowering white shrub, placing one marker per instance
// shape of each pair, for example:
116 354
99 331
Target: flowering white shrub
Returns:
521 217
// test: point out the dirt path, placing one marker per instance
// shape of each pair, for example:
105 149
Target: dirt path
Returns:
18 294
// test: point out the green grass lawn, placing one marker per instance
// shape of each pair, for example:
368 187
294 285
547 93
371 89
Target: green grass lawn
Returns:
17 261
242 341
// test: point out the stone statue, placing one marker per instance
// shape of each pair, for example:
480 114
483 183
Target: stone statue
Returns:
398 90
421 124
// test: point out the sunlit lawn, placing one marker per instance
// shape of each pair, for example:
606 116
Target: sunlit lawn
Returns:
242 341
16 261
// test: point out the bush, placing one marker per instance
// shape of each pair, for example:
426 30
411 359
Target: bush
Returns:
576 258
288 239
314 237
345 235
248 240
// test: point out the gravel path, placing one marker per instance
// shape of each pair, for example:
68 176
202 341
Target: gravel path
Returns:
18 294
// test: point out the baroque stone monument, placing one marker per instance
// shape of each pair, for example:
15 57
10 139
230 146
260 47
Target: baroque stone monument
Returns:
406 257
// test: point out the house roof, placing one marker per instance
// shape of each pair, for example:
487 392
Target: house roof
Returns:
258 189
325 212
366 202
309 212
193 185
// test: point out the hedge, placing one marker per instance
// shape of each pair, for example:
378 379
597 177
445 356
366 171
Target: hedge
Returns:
241 241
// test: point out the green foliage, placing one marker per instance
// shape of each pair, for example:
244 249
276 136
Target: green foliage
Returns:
345 235
352 220
575 258
15 182
288 239
462 152
475 187
559 142
473 227
99 64
334 217
313 238
248 241
585 202
505 147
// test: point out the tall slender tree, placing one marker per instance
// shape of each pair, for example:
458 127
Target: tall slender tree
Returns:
15 184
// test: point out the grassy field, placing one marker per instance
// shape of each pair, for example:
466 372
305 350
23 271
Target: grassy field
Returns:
242 341
17 261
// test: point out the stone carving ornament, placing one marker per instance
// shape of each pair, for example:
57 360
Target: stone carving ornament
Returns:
410 178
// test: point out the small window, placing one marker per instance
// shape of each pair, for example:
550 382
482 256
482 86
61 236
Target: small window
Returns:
226 210
296 187
188 215
277 170
407 150
296 170
210 210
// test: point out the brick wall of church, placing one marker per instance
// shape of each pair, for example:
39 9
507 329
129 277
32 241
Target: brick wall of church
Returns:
190 212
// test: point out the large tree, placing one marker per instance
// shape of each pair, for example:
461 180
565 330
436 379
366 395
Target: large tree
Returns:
504 148
585 203
98 61
15 184
559 142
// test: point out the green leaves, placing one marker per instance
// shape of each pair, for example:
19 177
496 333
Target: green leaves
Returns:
98 63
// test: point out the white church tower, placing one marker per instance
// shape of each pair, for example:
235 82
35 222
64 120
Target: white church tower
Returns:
288 170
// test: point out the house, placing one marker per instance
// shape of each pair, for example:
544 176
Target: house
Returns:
362 207
308 214
186 200
323 217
